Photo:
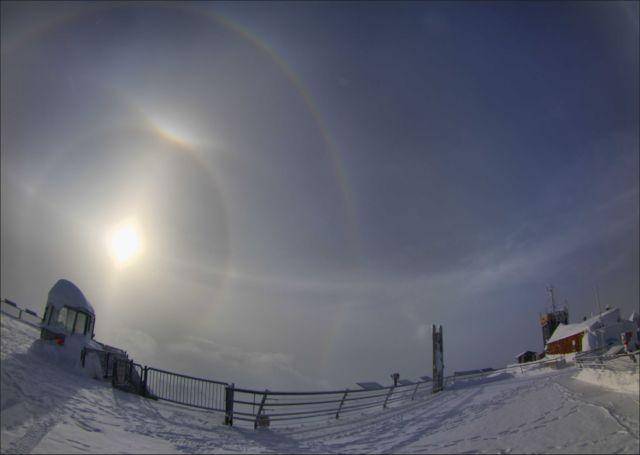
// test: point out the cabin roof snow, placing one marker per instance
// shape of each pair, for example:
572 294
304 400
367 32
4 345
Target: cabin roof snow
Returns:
602 319
65 293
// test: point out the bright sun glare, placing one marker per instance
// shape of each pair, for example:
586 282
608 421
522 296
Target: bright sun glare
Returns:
124 243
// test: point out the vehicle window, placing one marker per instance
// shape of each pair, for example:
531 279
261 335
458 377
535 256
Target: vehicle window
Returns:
71 315
80 323
62 317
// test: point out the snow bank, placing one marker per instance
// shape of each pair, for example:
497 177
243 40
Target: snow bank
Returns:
618 381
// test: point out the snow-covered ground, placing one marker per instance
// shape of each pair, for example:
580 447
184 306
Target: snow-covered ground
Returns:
46 409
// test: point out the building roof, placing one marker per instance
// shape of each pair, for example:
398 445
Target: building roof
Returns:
65 293
602 319
525 352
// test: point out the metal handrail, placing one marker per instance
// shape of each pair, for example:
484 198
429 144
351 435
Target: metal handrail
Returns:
323 392
363 399
604 361
21 312
188 377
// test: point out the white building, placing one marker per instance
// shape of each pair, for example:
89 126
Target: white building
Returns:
596 332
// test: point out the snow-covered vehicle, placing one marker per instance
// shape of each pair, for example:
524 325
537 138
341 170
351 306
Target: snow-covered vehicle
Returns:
68 323
67 313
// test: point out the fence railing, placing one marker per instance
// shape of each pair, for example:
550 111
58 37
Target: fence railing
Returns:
264 407
183 389
25 315
521 367
625 361
107 360
128 375
592 354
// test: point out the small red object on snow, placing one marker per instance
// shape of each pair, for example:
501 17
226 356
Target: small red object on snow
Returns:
59 341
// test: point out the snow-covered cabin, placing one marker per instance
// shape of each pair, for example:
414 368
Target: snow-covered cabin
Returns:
596 332
526 356
67 313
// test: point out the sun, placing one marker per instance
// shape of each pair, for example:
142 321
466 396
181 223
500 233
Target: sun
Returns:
124 243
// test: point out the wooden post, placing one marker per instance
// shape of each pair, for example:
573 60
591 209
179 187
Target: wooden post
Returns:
341 403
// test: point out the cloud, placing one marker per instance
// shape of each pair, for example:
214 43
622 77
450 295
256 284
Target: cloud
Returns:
423 331
140 346
249 368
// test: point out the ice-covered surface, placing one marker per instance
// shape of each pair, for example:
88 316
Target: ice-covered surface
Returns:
621 381
49 409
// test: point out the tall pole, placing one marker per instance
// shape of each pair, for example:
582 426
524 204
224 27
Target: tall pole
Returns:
553 300
438 364
598 300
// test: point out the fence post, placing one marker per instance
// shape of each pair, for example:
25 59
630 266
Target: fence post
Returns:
20 314
144 381
114 372
264 398
341 403
228 408
387 397
106 366
413 395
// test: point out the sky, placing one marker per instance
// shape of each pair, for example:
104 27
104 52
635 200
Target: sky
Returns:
309 186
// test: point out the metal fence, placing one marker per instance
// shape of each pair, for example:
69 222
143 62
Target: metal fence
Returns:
459 379
27 316
182 389
619 362
128 376
263 408
107 360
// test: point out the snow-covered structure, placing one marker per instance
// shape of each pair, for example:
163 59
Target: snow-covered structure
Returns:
68 323
526 356
67 313
596 332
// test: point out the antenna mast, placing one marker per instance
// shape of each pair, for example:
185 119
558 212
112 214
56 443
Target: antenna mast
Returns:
598 299
553 300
